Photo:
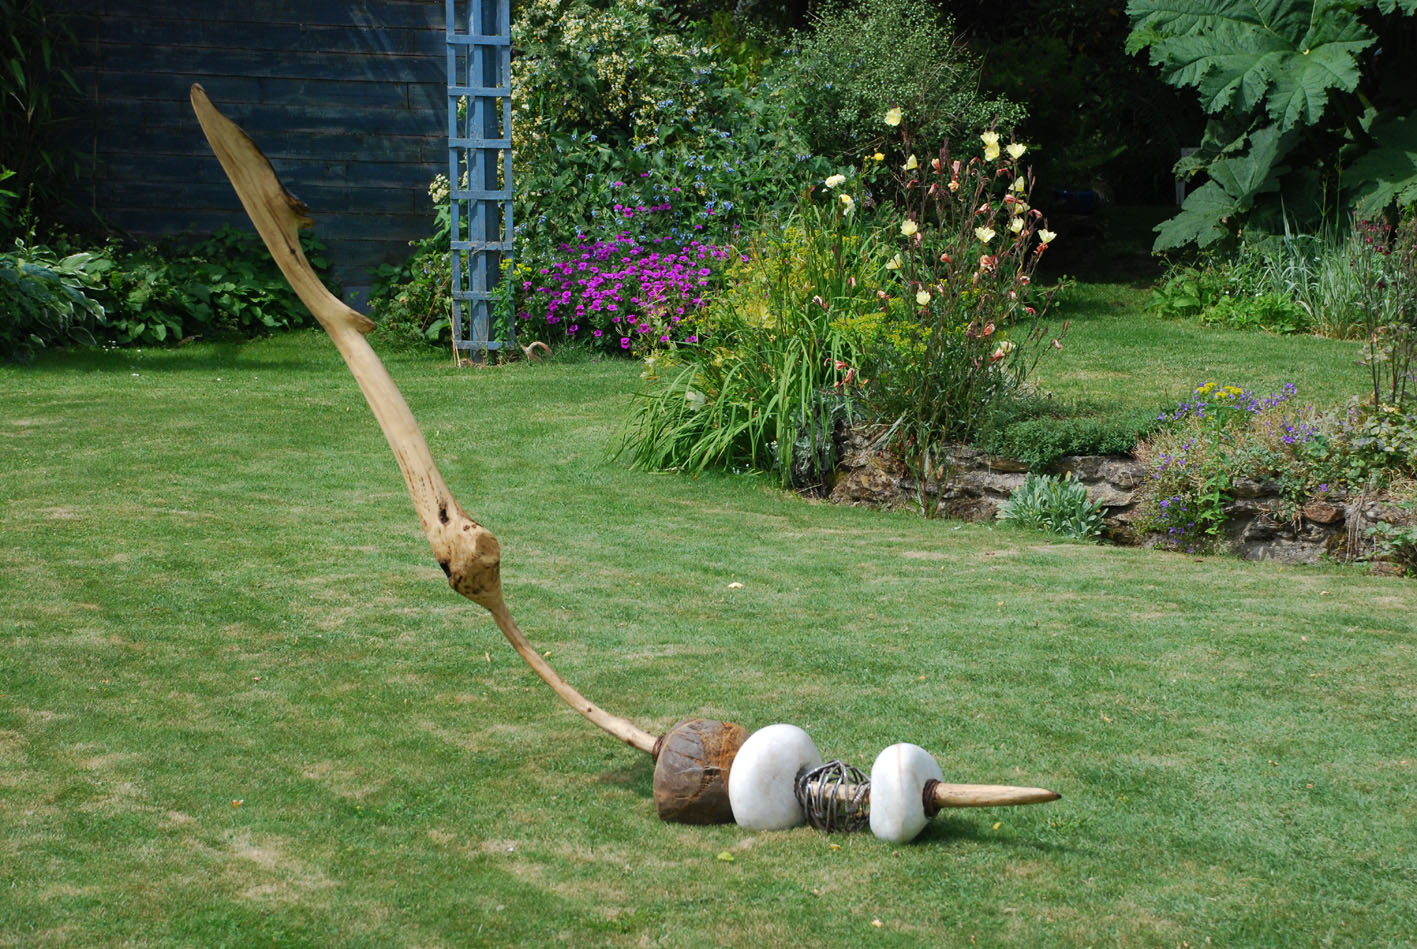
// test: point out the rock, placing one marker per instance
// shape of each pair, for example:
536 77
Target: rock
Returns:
898 779
996 463
761 784
1321 512
1251 488
1082 467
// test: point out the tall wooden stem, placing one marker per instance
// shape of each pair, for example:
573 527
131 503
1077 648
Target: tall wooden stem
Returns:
468 552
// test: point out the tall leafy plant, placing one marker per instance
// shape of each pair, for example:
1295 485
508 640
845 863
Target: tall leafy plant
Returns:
1310 105
764 381
33 83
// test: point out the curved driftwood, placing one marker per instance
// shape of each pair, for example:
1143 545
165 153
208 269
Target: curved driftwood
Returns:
469 554
467 551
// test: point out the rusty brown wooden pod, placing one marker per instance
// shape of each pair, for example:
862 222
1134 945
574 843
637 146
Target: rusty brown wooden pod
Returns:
691 771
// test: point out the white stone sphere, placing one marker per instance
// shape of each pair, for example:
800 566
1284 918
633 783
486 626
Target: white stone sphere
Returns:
760 783
898 779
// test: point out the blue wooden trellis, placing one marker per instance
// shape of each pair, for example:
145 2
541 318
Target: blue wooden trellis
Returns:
479 165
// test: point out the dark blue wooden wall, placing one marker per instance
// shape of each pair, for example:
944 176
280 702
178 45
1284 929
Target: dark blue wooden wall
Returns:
348 100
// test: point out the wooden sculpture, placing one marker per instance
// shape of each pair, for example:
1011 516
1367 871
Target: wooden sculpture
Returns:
694 760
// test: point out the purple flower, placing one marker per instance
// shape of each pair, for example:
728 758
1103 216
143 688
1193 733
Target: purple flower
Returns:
624 342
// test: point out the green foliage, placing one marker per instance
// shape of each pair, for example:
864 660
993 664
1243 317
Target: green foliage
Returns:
1385 265
1382 442
34 82
1298 93
225 287
1187 292
1267 311
48 300
860 59
1057 505
1039 433
1395 544
763 387
623 105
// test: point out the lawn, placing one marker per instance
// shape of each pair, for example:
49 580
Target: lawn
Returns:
239 704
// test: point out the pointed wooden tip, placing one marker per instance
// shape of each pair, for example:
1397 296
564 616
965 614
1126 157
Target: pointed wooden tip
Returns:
942 795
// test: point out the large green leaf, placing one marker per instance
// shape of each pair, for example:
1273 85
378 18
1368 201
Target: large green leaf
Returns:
1388 173
1285 54
1202 219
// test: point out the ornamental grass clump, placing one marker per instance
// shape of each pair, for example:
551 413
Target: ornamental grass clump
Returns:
959 328
774 362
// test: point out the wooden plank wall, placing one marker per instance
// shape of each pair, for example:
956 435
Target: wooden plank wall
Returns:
348 100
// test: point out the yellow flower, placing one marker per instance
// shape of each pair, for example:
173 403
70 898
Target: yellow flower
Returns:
1020 185
985 234
1016 150
878 157
922 297
910 164
848 202
908 227
1046 235
893 117
1016 224
835 180
991 145
894 263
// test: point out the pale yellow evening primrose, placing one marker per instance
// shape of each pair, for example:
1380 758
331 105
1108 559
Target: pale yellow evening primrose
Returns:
922 297
835 180
1046 235
1020 185
894 263
991 145
985 234
1016 150
910 164
1016 224
848 202
893 117
908 227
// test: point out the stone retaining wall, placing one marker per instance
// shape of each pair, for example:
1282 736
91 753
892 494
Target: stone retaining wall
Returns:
1262 524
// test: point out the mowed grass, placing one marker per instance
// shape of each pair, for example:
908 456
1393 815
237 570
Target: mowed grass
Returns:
239 704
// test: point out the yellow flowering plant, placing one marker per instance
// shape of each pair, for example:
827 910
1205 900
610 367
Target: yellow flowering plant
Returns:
963 316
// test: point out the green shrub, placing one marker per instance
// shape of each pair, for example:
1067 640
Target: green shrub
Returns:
1039 433
48 300
1395 544
860 59
1056 505
1267 311
224 287
1386 262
